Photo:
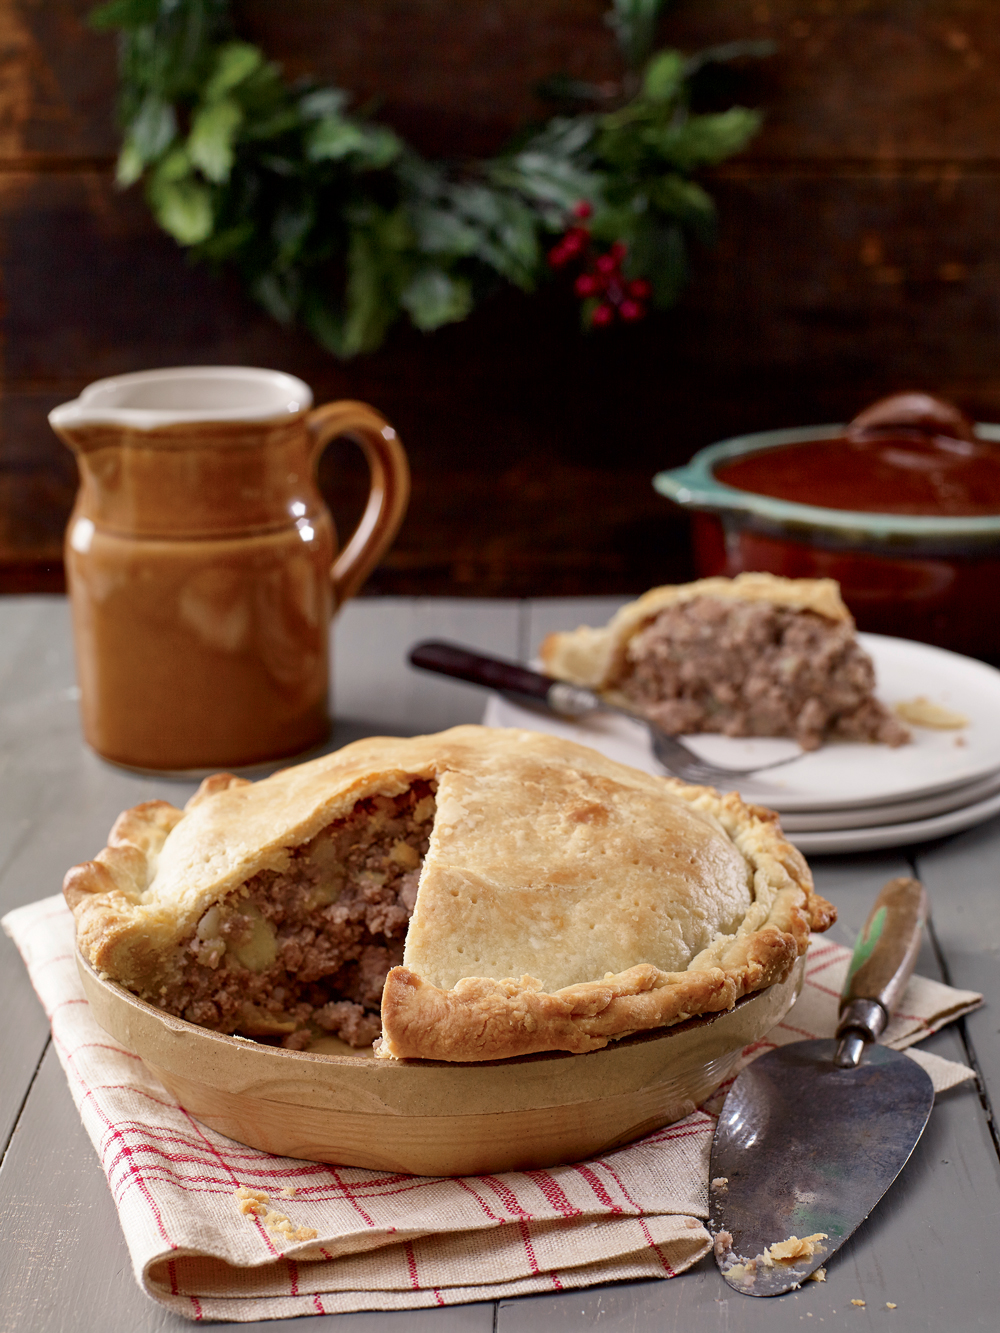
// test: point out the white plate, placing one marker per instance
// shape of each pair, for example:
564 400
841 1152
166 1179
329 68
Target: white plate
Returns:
900 812
840 776
896 835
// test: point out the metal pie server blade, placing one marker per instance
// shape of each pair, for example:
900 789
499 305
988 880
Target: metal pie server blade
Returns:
805 1148
812 1134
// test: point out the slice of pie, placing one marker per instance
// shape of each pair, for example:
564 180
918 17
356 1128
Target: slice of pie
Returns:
492 892
757 655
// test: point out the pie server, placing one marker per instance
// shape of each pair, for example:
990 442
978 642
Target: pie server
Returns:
812 1134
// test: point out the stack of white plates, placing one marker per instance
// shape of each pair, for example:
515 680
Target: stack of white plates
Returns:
846 797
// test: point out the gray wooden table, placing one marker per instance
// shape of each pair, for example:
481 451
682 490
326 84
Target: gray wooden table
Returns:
930 1247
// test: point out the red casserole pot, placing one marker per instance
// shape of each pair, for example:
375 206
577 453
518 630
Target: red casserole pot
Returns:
901 507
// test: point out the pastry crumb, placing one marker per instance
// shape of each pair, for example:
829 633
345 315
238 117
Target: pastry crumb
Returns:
720 1183
723 1242
855 1301
795 1248
289 1191
890 1305
818 1275
921 712
780 1254
254 1203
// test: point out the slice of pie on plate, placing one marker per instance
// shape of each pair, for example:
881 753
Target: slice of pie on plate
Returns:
492 892
757 655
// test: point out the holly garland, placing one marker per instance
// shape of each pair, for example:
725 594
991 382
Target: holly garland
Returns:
334 222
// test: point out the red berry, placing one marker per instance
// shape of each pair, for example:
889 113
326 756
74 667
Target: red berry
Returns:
606 264
583 209
631 310
619 250
586 285
641 289
573 242
602 316
558 255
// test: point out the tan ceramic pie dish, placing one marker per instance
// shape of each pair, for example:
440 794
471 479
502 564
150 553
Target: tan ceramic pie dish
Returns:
434 1117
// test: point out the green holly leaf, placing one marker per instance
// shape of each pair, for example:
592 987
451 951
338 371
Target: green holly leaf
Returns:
281 181
235 62
152 130
434 297
183 208
325 324
227 242
634 24
617 222
704 140
686 201
664 77
277 294
440 231
176 166
292 224
370 308
322 102
333 138
213 132
124 14
381 147
336 137
548 179
130 165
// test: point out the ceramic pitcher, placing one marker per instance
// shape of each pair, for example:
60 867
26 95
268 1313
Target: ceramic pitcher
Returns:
202 562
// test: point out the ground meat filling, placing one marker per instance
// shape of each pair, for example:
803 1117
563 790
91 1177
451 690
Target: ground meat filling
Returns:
305 951
756 669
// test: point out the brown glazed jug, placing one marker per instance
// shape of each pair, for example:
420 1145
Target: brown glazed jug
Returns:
202 562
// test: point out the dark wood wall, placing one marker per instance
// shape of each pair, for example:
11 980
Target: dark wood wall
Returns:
859 252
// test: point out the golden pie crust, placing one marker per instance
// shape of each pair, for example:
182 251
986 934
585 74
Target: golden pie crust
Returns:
595 657
565 900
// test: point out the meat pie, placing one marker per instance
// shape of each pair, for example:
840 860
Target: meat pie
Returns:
472 895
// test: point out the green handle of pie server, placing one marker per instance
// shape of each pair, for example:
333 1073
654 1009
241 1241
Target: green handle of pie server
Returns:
887 946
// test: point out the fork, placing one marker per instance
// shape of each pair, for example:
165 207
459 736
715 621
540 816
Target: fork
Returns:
451 659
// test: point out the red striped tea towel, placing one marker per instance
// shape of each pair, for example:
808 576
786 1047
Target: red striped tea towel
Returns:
385 1241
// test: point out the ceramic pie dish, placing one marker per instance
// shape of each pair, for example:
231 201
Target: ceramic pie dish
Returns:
471 912
433 1117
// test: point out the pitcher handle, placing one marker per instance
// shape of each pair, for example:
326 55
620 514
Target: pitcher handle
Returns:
387 498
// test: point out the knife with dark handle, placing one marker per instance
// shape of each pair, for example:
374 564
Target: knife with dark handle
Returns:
450 659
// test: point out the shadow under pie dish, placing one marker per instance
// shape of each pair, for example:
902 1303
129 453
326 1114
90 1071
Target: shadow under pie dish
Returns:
517 894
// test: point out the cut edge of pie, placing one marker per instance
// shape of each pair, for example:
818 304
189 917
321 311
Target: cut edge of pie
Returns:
595 656
483 885
757 655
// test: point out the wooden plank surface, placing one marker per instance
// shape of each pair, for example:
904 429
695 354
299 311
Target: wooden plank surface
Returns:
923 1248
928 1247
66 1268
962 876
856 255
